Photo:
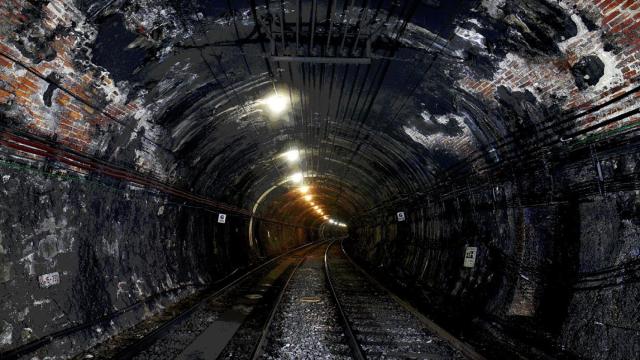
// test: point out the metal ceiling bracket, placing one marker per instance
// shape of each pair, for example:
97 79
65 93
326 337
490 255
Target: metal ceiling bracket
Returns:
323 60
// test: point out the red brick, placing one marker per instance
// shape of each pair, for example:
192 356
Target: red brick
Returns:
620 24
4 96
29 84
607 19
5 63
613 4
75 115
63 99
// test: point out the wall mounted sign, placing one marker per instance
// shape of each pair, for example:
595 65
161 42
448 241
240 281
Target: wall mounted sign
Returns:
400 216
470 256
222 218
48 280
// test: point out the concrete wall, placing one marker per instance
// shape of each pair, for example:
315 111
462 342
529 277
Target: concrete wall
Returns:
113 245
553 277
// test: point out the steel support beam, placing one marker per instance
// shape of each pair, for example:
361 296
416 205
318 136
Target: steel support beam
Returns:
322 60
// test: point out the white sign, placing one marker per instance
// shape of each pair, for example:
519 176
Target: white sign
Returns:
222 218
470 256
48 280
400 216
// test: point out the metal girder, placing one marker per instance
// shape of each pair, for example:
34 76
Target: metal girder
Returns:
323 59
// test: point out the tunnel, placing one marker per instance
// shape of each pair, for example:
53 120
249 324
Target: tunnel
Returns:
305 179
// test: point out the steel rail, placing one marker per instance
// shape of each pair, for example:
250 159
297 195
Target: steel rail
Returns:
258 351
39 343
143 343
466 349
34 345
358 353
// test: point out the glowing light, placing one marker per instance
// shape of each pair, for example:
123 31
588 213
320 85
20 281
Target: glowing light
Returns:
276 103
308 197
304 189
292 155
296 177
336 223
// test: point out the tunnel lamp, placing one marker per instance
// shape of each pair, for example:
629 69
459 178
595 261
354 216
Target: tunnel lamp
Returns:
304 189
308 197
292 155
296 177
276 103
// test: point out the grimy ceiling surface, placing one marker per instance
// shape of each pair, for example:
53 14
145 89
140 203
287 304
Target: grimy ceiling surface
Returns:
375 106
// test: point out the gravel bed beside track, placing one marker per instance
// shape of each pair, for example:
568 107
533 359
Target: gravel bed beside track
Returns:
383 328
306 323
182 333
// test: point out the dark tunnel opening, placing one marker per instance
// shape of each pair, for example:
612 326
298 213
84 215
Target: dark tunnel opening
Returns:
319 179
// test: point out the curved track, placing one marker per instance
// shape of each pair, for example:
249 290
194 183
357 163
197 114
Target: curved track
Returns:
380 325
312 302
304 322
177 331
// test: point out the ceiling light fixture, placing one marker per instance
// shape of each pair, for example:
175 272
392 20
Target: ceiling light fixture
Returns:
292 155
276 103
296 177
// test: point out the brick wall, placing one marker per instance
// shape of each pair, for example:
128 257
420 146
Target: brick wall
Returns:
91 102
551 81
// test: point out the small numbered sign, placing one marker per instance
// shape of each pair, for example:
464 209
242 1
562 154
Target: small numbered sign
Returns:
470 256
48 280
400 216
222 218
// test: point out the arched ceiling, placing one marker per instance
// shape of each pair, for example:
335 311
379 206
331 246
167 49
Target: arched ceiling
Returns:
375 117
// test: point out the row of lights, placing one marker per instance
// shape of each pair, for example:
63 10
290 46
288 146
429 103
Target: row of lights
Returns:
308 197
337 223
277 104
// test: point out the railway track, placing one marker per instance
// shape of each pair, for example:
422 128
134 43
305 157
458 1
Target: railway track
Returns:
332 309
310 303
379 324
173 333
305 324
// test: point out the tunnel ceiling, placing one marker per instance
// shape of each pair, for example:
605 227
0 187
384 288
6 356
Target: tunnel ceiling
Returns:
385 97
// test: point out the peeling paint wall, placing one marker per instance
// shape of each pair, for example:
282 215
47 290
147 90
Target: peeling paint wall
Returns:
116 247
556 269
111 246
472 133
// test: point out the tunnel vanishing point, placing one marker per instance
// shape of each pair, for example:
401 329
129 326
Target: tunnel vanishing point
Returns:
303 179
